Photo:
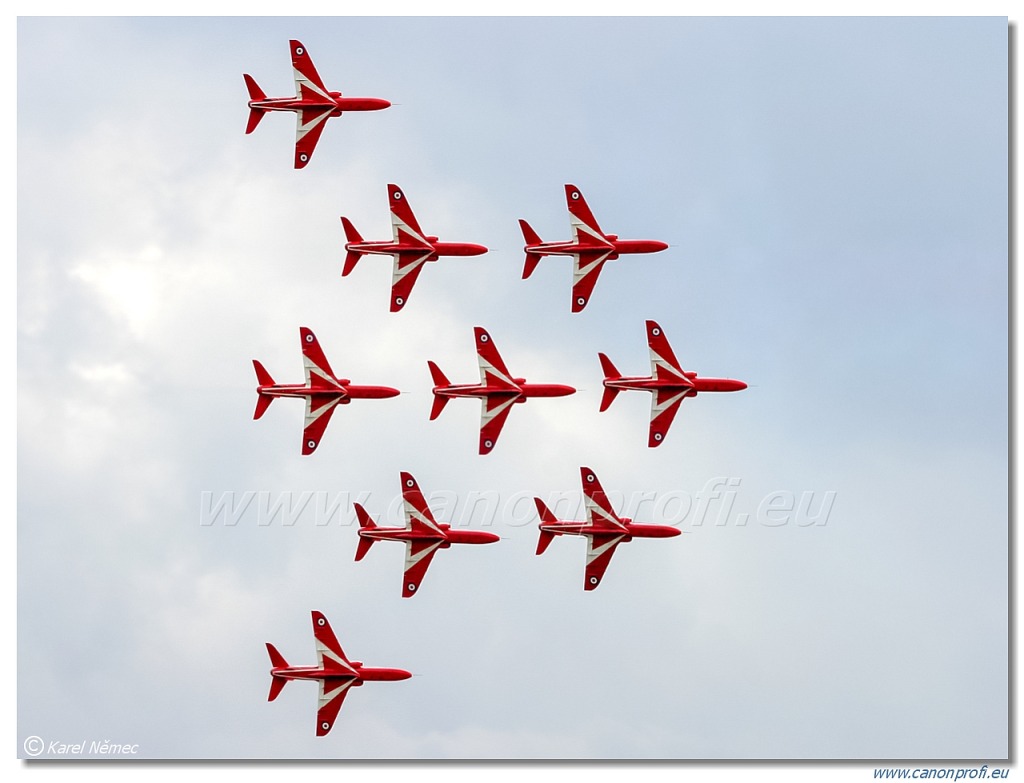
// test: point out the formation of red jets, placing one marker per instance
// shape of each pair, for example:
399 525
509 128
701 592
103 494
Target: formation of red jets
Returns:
498 390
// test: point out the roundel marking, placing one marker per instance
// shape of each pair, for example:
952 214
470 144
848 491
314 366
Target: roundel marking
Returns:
410 483
590 477
309 338
320 621
581 301
398 195
303 157
488 443
399 300
325 725
412 587
593 580
299 50
655 331
311 444
658 436
483 338
575 195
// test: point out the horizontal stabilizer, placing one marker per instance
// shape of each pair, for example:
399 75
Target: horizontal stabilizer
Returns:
609 370
608 398
255 115
439 402
365 520
545 513
532 259
353 256
262 403
255 93
531 236
276 686
545 539
351 259
262 379
440 379
276 661
365 523
610 374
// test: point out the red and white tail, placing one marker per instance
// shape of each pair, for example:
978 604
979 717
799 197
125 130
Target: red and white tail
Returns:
610 374
365 523
255 94
353 256
440 379
277 661
532 257
263 379
546 517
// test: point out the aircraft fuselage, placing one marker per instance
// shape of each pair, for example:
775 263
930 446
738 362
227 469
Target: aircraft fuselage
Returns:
448 535
336 104
645 383
615 245
439 248
526 390
632 529
363 673
346 391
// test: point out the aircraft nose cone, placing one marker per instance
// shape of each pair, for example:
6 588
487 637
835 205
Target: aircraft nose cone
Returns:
660 246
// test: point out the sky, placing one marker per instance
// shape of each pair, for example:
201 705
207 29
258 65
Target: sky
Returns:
834 193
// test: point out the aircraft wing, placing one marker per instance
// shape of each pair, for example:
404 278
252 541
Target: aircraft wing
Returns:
329 654
332 693
319 374
319 408
664 404
600 548
309 124
493 371
585 230
417 512
586 268
403 277
418 555
308 83
664 365
403 221
599 508
493 412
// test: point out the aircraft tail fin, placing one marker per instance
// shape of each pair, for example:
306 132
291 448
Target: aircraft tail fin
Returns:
610 373
546 517
263 379
532 258
255 94
365 523
353 256
440 379
277 661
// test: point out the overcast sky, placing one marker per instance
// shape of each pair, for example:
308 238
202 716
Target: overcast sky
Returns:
834 192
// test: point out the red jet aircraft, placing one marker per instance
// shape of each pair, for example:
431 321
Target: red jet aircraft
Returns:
590 248
497 390
422 535
411 248
333 670
605 530
313 104
668 384
323 391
